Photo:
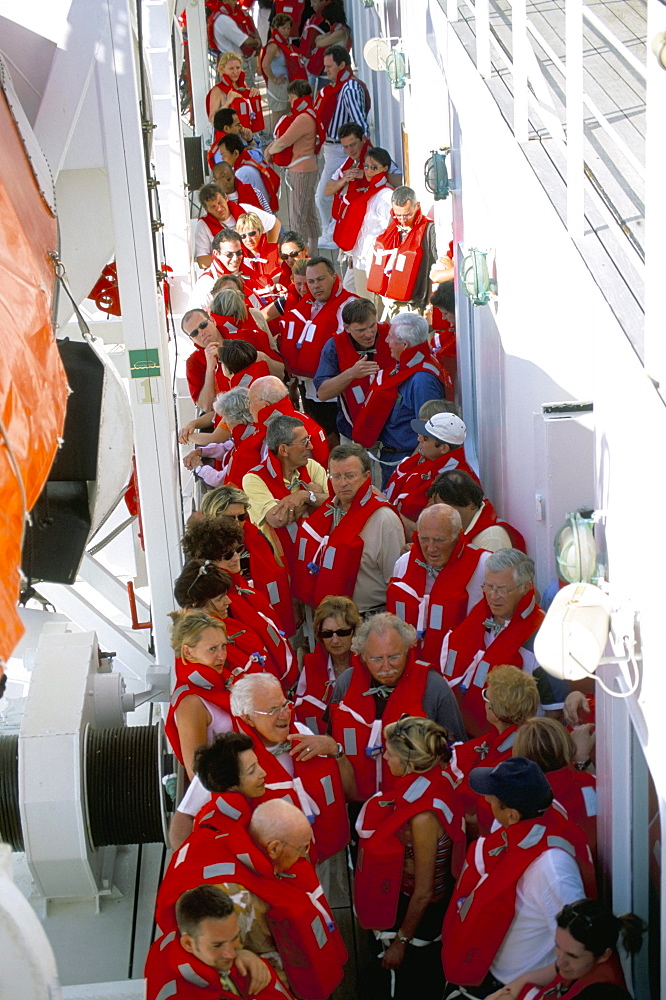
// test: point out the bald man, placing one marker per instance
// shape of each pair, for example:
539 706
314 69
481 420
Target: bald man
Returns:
438 581
269 397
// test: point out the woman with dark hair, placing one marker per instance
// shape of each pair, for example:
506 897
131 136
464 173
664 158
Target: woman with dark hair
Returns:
364 213
335 622
587 964
410 850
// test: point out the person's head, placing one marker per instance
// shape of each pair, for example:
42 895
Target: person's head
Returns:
224 176
213 200
227 247
282 831
230 64
351 138
377 161
219 539
321 276
404 206
336 59
438 529
444 299
228 500
250 229
433 406
349 471
230 764
360 319
226 120
406 330
288 439
258 699
203 586
587 934
297 90
335 621
236 356
334 12
291 244
229 301
440 434
459 490
284 23
198 638
299 277
511 696
383 642
200 328
226 283
545 741
509 576
230 147
515 789
208 926
232 405
415 745
265 391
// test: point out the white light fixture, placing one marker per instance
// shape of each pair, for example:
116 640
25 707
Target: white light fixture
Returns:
576 550
476 281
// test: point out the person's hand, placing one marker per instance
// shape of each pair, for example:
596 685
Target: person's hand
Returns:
307 746
184 433
267 157
394 954
249 964
353 174
212 356
281 79
254 92
192 460
584 738
364 366
233 95
576 706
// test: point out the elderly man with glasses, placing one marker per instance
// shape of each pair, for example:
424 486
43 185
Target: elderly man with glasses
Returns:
389 682
346 547
499 629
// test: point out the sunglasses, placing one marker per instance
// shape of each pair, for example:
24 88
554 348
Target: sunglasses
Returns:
250 235
342 633
227 556
239 517
197 330
290 256
232 253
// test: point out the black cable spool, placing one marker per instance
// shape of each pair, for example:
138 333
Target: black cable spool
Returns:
10 818
124 785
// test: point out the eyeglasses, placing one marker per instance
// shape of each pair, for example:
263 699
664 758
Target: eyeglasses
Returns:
490 588
342 633
238 517
231 253
290 256
284 707
394 659
569 915
230 554
345 477
197 330
250 235
300 441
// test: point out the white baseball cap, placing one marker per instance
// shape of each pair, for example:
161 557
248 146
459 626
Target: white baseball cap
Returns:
446 427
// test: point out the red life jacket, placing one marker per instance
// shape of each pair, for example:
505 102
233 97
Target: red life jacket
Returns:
320 450
299 918
381 854
206 683
246 377
268 577
303 106
269 176
232 328
270 473
195 371
487 518
292 58
251 277
248 109
433 615
315 687
327 98
353 722
488 750
384 391
484 900
328 558
609 972
295 9
443 340
215 226
576 791
352 398
412 479
353 206
252 608
266 259
338 197
322 26
468 661
315 789
304 337
172 971
242 19
395 262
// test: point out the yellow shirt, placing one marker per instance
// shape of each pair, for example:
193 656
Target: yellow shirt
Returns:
262 500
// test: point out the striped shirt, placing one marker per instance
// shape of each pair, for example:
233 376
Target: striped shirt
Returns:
350 107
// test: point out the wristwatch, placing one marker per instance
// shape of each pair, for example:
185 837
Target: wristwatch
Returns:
312 496
340 753
403 940
582 765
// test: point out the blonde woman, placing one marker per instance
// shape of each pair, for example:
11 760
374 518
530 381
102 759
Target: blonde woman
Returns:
231 91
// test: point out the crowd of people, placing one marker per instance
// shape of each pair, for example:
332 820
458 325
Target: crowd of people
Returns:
355 676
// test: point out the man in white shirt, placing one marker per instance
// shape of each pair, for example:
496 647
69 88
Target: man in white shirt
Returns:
219 214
